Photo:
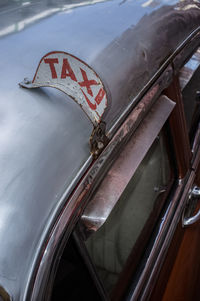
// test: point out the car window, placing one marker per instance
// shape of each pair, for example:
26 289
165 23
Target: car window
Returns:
190 86
110 246
72 280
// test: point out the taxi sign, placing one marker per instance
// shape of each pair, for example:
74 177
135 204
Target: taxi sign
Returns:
74 77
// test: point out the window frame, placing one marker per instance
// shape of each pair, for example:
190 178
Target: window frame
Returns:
135 258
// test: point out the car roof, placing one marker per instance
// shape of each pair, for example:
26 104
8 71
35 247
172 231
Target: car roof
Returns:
44 135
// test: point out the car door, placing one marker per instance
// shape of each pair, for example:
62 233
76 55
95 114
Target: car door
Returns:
179 276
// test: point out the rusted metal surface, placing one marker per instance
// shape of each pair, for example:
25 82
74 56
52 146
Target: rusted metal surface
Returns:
75 205
123 169
4 296
149 57
98 139
79 199
179 129
185 53
75 78
175 60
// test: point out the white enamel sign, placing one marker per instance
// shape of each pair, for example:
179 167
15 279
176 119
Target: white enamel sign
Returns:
75 78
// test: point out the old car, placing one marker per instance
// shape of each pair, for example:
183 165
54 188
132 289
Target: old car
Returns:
99 150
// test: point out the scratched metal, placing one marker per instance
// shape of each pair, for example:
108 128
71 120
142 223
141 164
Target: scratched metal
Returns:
80 197
44 151
72 76
126 164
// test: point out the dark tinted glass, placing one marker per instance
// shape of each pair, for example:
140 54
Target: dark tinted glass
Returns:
111 245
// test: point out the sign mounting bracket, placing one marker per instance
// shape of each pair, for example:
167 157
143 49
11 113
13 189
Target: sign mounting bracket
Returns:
78 80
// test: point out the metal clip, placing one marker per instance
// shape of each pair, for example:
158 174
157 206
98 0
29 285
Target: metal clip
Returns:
98 139
75 80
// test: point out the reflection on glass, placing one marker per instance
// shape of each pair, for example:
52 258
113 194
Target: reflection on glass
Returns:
189 82
111 245
16 15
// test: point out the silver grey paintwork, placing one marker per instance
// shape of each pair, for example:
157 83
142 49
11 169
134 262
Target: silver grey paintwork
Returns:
44 147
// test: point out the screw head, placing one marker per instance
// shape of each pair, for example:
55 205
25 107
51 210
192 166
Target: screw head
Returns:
26 81
198 96
100 145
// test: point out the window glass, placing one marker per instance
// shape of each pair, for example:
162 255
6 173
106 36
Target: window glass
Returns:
73 281
190 85
111 245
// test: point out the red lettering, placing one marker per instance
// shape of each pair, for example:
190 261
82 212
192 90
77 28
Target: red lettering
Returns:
98 99
87 83
51 63
91 105
100 96
67 70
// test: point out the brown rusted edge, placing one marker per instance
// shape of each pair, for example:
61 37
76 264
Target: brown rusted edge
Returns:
4 294
179 129
76 203
98 139
126 164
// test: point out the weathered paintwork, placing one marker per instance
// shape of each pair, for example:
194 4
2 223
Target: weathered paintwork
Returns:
120 174
44 147
65 72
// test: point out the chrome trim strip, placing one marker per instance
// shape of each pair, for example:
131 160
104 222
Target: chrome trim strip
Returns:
187 216
156 257
196 150
46 234
191 220
126 164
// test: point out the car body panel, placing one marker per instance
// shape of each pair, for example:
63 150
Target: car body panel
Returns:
44 135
